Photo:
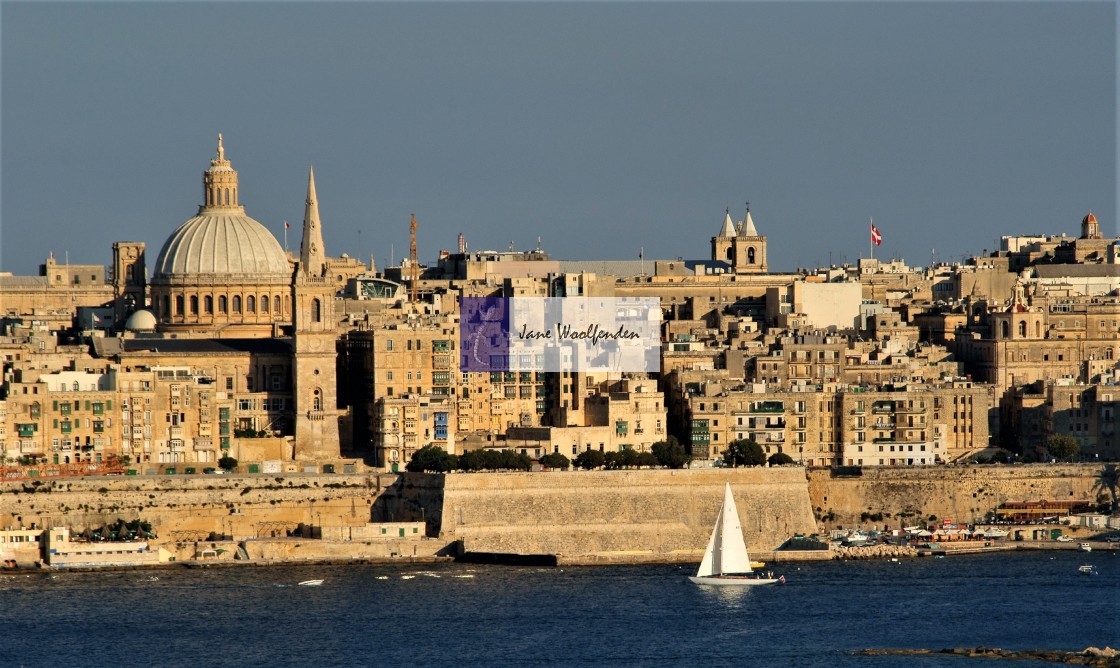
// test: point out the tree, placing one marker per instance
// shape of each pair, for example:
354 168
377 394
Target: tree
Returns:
1108 480
647 459
671 453
1063 446
779 458
431 458
555 461
744 452
591 459
613 461
227 463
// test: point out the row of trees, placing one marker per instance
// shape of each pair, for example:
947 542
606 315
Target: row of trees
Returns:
669 453
434 459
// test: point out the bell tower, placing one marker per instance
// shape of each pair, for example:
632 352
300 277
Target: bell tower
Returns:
750 248
130 279
315 365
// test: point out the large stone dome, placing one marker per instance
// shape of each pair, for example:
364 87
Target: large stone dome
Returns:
221 271
221 242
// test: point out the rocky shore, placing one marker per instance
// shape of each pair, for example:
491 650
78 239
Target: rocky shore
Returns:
1090 656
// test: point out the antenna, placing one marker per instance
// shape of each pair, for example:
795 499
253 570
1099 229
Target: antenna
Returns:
413 266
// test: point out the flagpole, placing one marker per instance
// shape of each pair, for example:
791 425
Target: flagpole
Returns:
285 236
872 237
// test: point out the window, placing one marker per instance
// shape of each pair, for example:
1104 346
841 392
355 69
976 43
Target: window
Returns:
208 305
222 304
237 303
316 311
194 304
264 303
251 304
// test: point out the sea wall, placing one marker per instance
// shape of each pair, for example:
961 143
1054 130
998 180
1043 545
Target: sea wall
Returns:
582 516
191 508
958 493
612 516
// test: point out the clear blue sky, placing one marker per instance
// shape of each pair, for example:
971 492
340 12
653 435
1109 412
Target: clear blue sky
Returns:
600 128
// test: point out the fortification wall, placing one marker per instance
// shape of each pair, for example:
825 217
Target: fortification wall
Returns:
184 509
583 516
613 516
959 493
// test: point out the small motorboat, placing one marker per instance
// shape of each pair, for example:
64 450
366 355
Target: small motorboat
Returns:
311 583
1085 547
1087 569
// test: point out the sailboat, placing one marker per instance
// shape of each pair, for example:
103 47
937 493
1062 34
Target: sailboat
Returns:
726 561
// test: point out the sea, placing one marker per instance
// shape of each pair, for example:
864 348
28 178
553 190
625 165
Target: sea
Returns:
406 614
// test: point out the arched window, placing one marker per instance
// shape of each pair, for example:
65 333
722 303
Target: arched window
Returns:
317 401
208 305
1037 329
227 195
276 305
1004 329
730 253
178 304
222 304
316 311
166 306
264 303
250 304
750 256
237 303
194 304
1023 329
1108 353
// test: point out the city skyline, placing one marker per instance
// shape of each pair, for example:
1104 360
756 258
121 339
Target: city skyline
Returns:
949 124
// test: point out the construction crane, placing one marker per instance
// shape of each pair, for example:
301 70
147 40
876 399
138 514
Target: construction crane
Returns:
413 266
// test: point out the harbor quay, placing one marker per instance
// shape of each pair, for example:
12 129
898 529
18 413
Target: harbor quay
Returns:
553 517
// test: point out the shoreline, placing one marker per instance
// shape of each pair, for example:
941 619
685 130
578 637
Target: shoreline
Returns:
621 558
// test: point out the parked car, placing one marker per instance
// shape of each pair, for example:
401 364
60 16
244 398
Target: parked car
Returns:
1064 539
1112 539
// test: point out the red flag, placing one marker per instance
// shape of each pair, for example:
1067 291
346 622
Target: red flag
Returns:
876 236
286 225
782 579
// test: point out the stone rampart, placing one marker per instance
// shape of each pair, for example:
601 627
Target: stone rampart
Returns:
583 516
964 494
191 508
614 516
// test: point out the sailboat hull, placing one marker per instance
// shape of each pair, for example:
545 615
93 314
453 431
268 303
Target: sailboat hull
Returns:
731 580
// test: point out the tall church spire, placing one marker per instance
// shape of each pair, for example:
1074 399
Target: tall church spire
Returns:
749 229
312 258
728 229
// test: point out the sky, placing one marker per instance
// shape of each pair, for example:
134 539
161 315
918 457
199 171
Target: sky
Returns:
603 129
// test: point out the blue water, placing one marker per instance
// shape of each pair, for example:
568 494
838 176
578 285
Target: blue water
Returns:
466 615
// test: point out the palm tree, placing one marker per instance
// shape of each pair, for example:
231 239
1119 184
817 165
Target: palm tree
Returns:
1108 480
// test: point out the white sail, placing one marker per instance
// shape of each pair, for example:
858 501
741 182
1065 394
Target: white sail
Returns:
727 551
